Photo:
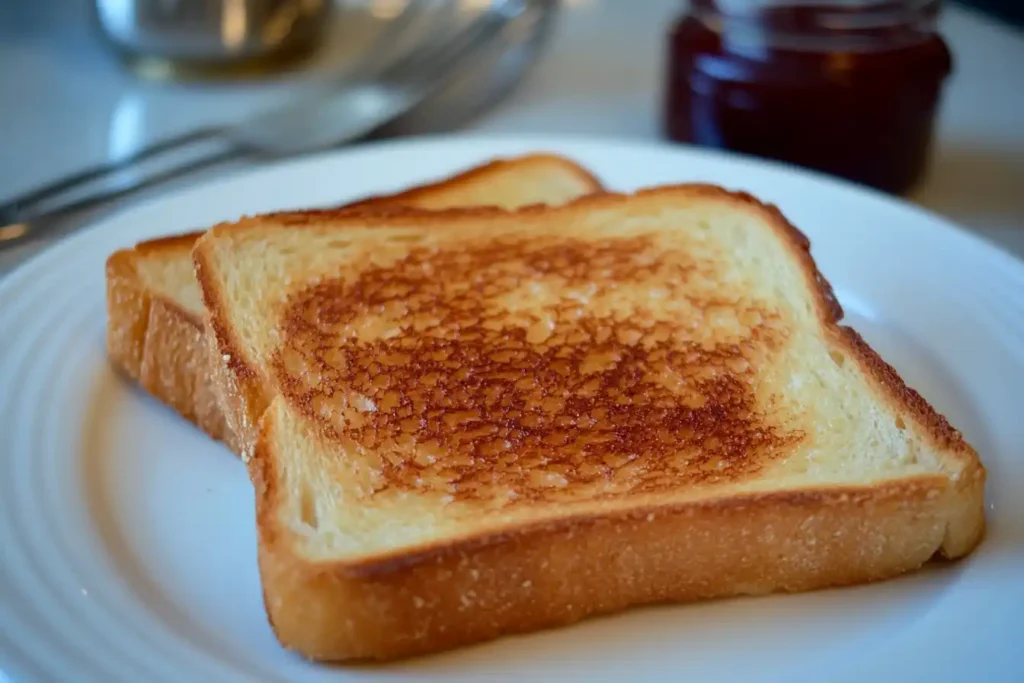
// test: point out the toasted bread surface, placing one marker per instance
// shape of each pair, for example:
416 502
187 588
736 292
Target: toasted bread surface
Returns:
552 574
459 422
155 312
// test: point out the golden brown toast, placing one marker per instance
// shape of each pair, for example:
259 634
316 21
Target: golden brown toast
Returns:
154 322
468 423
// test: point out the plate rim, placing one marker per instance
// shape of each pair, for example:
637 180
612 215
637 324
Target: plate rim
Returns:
552 142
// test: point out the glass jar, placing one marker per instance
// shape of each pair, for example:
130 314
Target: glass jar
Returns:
849 87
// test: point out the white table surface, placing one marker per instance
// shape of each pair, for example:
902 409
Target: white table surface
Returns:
67 102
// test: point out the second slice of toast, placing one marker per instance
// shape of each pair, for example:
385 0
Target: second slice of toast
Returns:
463 424
154 322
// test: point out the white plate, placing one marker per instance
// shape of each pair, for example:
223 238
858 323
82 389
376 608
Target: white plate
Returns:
127 539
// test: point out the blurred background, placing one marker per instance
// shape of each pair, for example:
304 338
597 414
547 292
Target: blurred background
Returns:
95 81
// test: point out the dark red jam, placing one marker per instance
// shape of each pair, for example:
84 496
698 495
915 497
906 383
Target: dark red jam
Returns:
848 89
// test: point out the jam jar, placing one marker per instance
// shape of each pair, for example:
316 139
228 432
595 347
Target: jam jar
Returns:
849 87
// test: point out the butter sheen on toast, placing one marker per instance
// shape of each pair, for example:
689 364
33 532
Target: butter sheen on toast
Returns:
155 313
468 423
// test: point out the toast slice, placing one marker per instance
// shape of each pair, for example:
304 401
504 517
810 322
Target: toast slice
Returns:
469 423
155 312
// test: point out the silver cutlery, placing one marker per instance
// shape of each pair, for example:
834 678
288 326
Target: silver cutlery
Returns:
380 89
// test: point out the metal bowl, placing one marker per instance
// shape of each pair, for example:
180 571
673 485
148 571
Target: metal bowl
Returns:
212 32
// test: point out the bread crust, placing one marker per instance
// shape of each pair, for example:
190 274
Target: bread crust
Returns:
127 313
238 387
552 574
530 577
414 195
159 343
163 346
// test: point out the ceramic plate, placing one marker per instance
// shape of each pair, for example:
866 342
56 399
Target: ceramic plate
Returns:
127 538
